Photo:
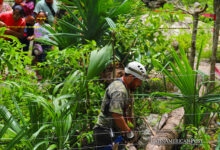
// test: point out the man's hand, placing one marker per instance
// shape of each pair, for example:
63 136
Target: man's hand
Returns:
30 38
2 24
30 19
22 4
136 137
14 33
131 137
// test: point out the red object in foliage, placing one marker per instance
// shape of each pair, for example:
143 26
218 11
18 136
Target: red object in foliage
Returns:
217 71
210 16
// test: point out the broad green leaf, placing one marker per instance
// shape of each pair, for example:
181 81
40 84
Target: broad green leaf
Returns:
16 139
218 146
70 80
124 8
39 144
70 26
9 131
57 87
53 146
34 136
110 22
75 18
5 128
98 61
7 116
43 102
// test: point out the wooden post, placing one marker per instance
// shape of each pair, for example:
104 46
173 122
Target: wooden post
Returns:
216 4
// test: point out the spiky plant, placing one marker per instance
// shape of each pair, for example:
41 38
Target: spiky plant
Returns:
186 80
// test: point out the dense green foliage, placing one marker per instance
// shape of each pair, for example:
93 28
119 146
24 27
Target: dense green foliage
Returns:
60 111
189 85
90 21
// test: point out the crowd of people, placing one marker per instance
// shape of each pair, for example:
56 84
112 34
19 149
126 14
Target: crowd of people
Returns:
24 20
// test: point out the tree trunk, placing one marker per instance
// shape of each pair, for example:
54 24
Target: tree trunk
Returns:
193 43
167 132
215 42
195 12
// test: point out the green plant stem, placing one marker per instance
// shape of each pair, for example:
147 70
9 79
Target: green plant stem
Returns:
165 84
113 50
132 45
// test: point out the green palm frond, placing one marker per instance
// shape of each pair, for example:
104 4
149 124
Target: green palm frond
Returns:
99 59
7 116
185 78
89 21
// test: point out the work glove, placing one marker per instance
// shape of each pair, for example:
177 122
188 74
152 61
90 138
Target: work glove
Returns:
131 137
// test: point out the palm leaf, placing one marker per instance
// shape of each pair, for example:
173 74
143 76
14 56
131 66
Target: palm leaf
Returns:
7 116
92 19
98 61
39 144
218 146
81 10
75 18
124 8
21 116
6 127
9 131
185 79
64 35
70 80
110 22
34 136
16 139
70 26
47 41
43 102
53 146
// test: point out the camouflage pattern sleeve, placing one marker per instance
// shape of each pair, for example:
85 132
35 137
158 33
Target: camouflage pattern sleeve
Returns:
117 103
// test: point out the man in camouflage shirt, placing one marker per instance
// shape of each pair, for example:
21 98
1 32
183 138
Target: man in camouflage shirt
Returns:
113 118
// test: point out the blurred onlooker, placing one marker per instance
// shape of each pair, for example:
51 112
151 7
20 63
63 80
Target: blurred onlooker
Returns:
4 7
49 6
28 7
39 50
61 11
14 22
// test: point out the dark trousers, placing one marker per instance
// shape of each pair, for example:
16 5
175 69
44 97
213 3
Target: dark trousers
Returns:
102 138
29 30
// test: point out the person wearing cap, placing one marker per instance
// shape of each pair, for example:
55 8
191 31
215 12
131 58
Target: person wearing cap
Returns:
114 116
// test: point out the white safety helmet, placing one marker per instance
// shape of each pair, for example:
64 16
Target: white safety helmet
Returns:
136 69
